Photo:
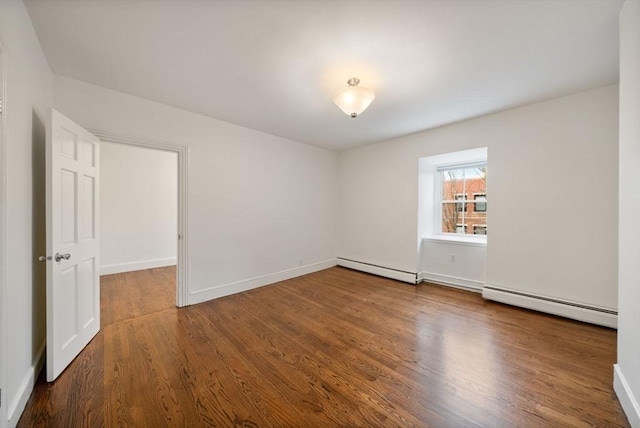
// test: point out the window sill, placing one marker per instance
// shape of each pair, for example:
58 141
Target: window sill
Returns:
461 240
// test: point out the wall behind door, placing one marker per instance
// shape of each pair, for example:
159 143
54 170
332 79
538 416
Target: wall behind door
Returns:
138 208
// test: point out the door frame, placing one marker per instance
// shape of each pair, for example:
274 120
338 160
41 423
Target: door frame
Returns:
182 284
3 230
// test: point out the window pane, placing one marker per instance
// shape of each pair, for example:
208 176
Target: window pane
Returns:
473 219
452 183
451 217
455 221
475 180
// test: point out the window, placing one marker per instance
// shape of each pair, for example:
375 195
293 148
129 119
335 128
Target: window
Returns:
480 202
480 229
457 184
453 196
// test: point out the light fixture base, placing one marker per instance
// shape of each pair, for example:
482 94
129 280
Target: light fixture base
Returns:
353 81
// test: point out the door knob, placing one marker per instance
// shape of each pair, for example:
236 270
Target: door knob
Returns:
59 256
44 258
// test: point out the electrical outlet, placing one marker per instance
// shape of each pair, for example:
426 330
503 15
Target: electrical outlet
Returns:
452 258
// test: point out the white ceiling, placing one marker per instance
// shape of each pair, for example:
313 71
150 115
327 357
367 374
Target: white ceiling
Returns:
274 66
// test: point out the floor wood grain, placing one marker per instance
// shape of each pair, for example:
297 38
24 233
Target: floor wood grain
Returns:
335 348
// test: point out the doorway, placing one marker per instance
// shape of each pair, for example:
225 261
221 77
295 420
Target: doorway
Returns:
181 154
139 230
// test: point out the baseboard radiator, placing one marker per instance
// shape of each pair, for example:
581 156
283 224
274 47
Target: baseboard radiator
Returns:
387 272
591 314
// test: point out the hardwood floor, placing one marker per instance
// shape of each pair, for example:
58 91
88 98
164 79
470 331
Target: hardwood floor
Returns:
335 348
133 294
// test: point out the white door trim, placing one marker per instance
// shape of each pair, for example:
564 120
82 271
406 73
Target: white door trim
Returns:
3 230
182 284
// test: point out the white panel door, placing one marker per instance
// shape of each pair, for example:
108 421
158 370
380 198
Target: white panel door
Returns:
73 282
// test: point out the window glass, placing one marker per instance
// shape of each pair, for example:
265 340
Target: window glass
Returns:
464 199
451 217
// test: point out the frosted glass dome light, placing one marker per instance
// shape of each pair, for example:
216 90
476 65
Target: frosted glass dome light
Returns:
353 99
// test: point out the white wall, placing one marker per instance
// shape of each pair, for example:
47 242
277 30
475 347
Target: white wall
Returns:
461 264
138 208
29 98
261 207
627 371
547 162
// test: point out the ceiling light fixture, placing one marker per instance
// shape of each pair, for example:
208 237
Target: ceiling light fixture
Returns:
353 99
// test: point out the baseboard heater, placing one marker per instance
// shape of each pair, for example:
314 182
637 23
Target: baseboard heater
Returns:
400 275
591 314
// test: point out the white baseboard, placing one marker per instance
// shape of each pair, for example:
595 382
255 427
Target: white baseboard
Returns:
19 400
452 281
386 272
627 400
141 265
591 314
259 281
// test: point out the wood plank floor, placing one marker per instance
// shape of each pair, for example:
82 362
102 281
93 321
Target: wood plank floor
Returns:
335 348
